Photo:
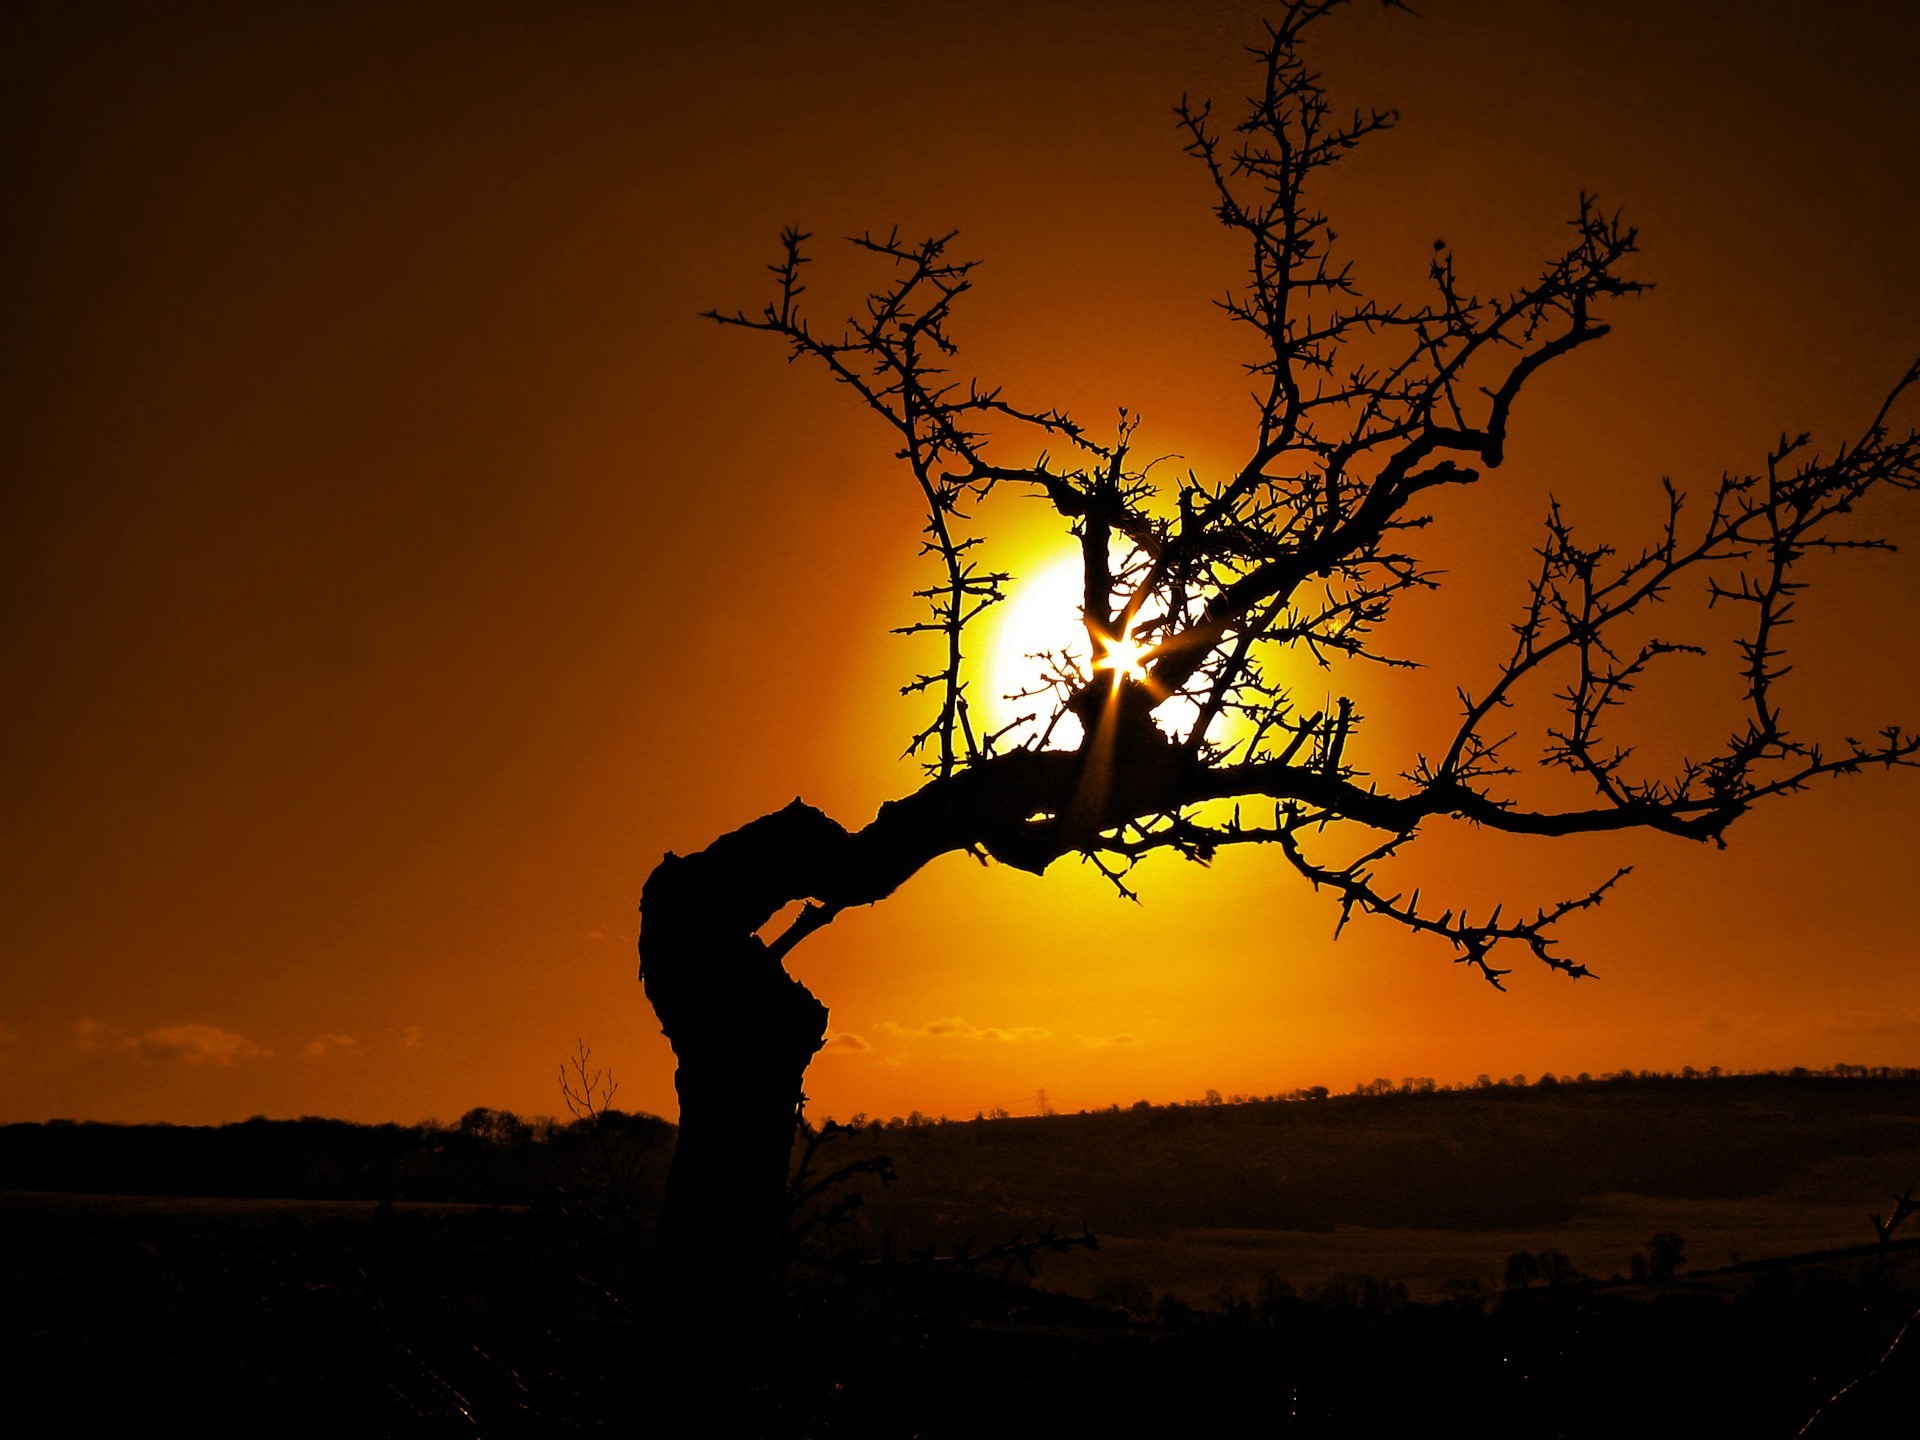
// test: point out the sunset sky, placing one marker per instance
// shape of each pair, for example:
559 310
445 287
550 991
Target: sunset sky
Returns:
393 565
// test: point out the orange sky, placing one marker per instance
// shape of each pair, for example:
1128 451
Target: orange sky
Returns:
394 566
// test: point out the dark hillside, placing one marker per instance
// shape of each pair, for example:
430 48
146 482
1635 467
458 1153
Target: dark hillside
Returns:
1498 1157
1472 1159
1434 1189
1425 1186
489 1157
1266 1254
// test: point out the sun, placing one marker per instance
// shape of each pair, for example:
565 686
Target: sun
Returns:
1038 632
1036 629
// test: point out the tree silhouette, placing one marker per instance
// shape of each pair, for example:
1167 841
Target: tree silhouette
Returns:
1368 418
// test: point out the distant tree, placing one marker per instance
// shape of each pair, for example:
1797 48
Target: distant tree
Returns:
1126 1293
1523 1268
620 1147
1526 1268
1556 1269
1664 1257
495 1127
1182 735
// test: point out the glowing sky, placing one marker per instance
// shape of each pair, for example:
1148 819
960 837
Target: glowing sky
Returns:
393 565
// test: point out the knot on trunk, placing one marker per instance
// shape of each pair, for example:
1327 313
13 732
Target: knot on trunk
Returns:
718 990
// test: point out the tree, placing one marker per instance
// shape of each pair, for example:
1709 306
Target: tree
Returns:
1367 418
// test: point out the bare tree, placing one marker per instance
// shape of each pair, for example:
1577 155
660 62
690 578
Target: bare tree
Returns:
1368 417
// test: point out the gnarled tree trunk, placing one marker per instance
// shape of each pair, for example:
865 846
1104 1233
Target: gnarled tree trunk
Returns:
743 1030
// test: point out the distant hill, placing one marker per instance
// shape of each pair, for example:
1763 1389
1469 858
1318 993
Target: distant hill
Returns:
1500 1156
1434 1188
489 1157
1474 1158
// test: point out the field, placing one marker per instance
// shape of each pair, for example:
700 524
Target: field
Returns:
1491 1250
1432 1190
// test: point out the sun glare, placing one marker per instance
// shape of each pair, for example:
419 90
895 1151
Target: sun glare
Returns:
1036 631
1039 628
1125 656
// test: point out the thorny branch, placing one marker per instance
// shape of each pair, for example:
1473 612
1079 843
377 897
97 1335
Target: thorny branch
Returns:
1022 1252
1905 1207
1366 416
808 1205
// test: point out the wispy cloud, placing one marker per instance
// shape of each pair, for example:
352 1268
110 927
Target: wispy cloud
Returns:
846 1040
322 1044
193 1044
87 1034
958 1027
1100 1042
411 1037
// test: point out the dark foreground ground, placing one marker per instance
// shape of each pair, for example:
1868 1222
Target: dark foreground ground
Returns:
491 1280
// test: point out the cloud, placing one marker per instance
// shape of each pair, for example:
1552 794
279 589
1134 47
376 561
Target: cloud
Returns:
1098 1042
846 1040
194 1045
87 1034
321 1044
594 935
957 1027
411 1037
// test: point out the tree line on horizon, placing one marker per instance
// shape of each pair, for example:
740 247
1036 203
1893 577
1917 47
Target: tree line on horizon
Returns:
1408 1085
501 1128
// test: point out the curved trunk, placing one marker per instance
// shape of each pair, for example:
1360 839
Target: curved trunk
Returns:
740 1095
723 1224
743 1030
